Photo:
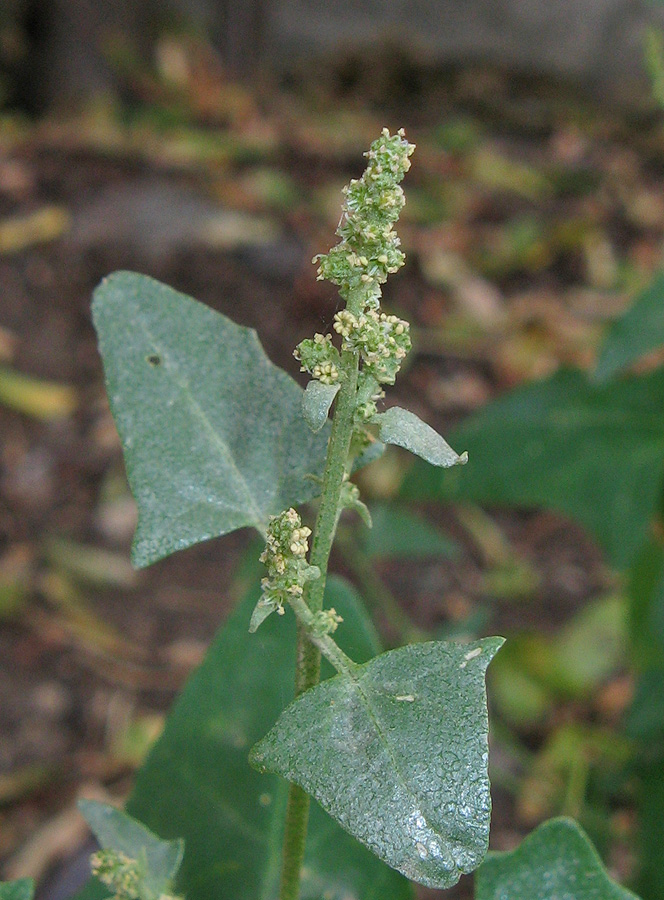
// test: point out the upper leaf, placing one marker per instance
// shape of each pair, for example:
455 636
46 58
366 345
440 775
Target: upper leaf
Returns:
212 431
115 830
198 783
404 429
397 753
316 402
22 889
594 452
556 861
637 332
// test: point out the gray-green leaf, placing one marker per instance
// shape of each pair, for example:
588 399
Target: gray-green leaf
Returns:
115 830
405 429
198 783
212 431
22 889
316 402
397 753
556 861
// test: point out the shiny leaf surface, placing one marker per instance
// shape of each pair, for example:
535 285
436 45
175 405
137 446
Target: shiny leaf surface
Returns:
555 862
397 752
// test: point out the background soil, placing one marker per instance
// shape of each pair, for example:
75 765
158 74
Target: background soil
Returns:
552 213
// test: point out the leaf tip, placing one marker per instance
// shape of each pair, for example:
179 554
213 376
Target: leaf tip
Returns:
257 758
493 645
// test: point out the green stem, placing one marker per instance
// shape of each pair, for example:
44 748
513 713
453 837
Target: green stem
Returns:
295 836
308 654
323 642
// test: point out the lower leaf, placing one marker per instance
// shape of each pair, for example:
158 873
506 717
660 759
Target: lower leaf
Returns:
556 861
197 782
397 753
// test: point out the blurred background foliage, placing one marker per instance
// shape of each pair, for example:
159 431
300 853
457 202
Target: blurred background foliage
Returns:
207 147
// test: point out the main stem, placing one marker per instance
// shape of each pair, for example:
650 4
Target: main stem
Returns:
307 673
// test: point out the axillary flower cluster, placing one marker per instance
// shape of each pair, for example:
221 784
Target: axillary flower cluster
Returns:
125 876
372 348
288 571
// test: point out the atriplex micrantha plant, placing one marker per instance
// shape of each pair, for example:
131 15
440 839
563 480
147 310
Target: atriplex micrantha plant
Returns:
394 746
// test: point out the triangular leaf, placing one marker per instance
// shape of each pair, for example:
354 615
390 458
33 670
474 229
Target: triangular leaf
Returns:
198 783
556 861
594 452
637 332
22 889
115 830
397 753
316 403
404 429
212 431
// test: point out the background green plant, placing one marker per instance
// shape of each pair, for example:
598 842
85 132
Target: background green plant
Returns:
592 447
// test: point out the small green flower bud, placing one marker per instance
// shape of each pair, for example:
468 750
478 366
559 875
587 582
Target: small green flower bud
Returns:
326 622
368 251
319 357
284 557
118 871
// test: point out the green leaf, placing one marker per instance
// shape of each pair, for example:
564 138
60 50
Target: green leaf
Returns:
555 862
115 830
590 647
397 753
22 889
650 882
593 452
645 588
398 533
639 331
316 402
645 718
404 429
197 782
212 431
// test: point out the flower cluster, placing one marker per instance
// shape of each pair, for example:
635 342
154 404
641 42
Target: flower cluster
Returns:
367 253
284 557
326 622
119 872
369 248
320 358
382 341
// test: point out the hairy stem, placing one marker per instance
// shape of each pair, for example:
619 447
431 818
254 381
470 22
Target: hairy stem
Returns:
366 254
307 673
295 836
323 642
